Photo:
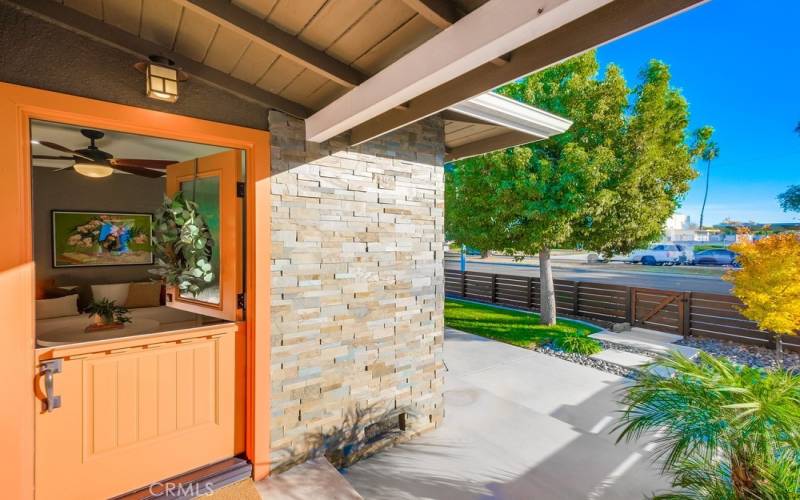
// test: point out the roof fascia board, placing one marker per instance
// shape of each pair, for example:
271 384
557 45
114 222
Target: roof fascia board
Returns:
506 112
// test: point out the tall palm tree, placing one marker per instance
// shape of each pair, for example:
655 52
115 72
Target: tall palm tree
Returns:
709 154
722 431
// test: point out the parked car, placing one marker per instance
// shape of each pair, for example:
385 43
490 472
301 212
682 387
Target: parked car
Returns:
662 253
715 257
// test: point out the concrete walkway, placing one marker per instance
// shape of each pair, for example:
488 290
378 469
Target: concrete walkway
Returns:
518 425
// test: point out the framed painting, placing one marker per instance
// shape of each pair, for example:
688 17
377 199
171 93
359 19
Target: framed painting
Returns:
82 239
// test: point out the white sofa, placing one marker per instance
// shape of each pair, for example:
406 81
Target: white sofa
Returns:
159 318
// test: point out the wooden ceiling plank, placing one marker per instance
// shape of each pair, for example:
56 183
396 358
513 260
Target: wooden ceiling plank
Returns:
303 86
377 24
333 20
440 13
254 63
280 74
476 133
160 21
292 16
277 40
195 35
226 50
95 29
259 8
455 127
502 141
405 39
600 26
124 14
325 94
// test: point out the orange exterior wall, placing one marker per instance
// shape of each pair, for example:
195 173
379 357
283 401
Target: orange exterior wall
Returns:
18 105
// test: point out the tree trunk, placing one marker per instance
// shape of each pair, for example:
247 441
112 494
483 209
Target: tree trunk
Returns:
705 196
547 290
779 350
484 254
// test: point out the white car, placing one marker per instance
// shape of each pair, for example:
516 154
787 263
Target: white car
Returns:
663 253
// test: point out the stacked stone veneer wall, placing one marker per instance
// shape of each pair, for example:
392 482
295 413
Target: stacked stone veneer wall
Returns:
357 281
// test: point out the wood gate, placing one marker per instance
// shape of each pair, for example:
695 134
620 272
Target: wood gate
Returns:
662 310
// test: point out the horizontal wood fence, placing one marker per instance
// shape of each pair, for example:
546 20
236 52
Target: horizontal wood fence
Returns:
682 313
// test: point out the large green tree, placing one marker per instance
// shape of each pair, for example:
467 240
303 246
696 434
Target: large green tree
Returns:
790 199
607 184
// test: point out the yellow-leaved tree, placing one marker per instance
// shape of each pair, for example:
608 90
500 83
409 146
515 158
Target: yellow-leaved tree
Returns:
768 284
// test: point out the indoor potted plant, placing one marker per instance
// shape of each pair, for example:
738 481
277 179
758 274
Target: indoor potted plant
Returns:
106 314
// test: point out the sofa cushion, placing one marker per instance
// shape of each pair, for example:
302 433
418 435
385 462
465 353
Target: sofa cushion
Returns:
117 292
84 294
57 307
147 294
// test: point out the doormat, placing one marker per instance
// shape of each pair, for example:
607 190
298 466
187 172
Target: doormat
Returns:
243 490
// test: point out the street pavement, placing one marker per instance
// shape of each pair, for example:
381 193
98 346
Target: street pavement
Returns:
616 274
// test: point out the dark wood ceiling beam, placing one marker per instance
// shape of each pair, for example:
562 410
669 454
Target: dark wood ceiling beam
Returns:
600 26
105 33
265 34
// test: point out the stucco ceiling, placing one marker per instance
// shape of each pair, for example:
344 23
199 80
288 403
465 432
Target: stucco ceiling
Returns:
119 144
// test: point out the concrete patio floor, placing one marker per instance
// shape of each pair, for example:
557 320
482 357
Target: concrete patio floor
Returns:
518 425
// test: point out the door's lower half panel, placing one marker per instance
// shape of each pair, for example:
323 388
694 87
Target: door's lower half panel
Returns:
133 416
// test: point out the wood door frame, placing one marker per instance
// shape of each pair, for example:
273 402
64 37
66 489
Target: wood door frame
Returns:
18 105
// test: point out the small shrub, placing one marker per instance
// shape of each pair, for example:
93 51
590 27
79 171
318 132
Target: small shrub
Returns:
722 431
578 344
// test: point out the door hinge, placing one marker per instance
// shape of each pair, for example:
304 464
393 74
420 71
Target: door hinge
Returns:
240 189
241 301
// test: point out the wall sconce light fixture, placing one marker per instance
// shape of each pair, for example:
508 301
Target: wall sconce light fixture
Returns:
162 78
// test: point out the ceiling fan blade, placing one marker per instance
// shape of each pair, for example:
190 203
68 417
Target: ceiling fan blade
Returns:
144 172
59 147
131 162
48 157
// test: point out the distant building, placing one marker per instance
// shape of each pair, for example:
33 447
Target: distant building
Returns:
679 228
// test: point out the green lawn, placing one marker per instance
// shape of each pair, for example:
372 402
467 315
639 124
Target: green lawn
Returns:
513 327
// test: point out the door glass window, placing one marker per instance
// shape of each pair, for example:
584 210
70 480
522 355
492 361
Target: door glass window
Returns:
205 191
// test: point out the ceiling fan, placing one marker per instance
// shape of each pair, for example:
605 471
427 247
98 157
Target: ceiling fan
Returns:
94 162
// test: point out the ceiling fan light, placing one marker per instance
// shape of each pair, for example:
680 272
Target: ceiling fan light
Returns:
93 170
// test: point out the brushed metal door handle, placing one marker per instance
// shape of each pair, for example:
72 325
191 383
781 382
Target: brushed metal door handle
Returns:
50 368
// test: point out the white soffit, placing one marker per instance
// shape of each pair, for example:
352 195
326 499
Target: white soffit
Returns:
494 29
506 112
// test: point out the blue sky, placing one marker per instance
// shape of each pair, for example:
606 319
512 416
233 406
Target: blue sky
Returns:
738 64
